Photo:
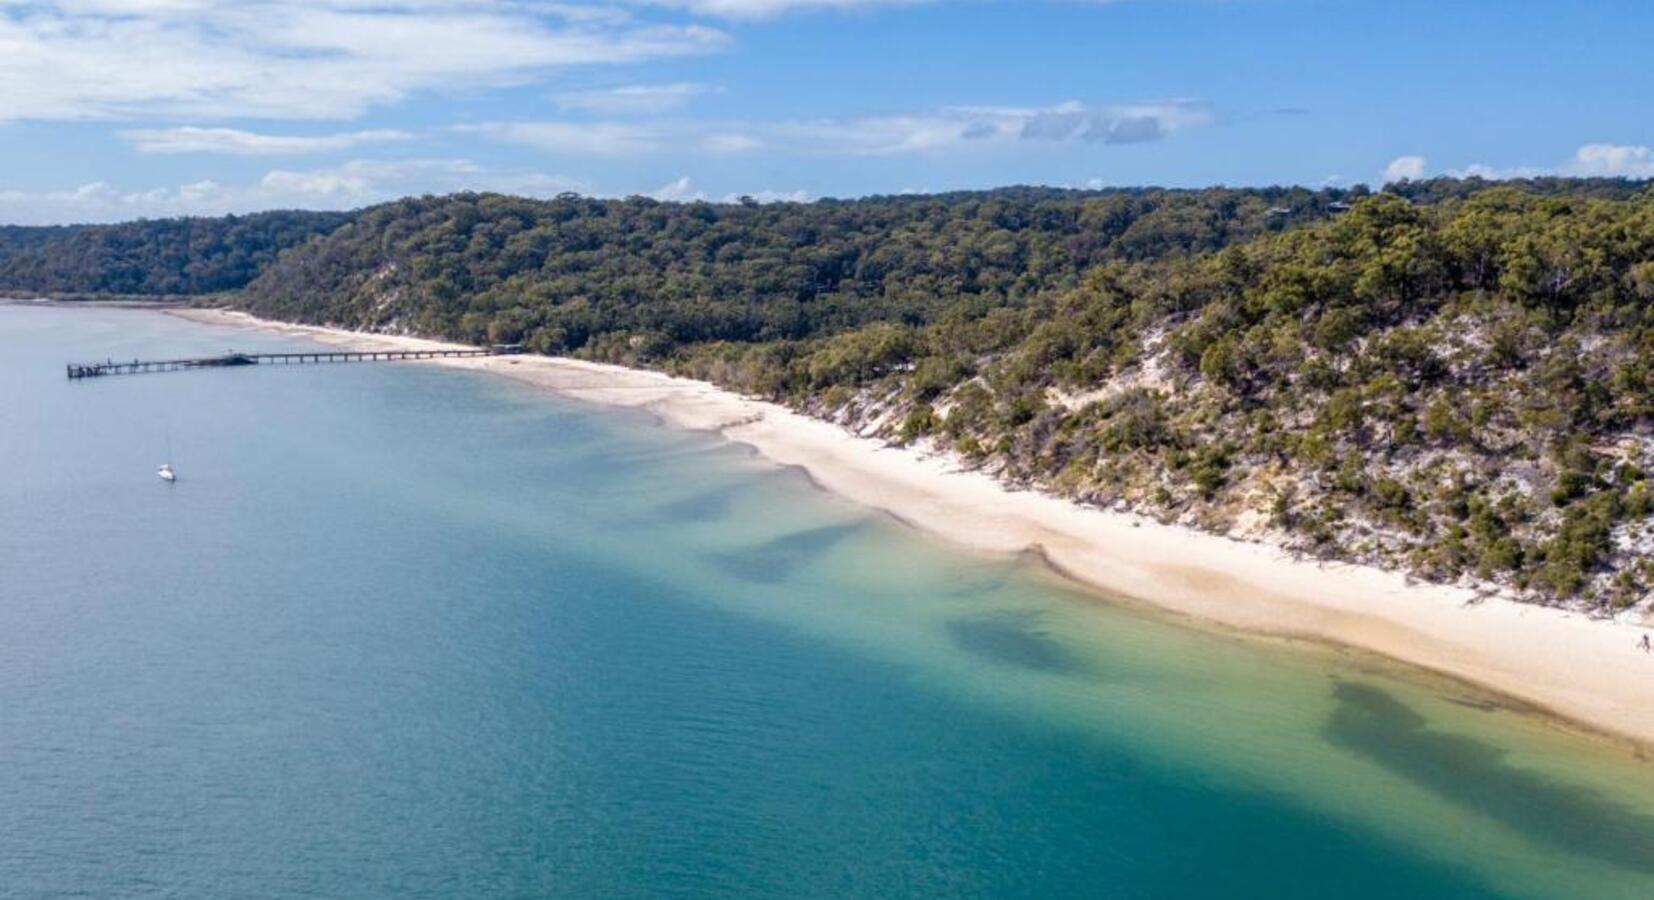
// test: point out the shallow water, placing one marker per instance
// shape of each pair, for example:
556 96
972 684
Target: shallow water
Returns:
401 631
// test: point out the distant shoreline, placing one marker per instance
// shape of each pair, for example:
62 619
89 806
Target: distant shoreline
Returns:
130 301
113 301
1585 671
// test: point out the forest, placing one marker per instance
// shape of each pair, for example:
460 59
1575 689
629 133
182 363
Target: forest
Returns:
15 239
153 257
577 274
1452 377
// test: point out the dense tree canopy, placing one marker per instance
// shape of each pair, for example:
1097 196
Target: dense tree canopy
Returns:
161 256
16 239
1435 190
562 274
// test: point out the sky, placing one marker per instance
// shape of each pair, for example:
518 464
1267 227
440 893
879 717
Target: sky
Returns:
119 109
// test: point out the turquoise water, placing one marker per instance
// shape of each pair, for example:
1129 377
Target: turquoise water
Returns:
406 632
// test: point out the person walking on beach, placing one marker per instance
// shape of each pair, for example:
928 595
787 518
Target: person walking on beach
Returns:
1646 646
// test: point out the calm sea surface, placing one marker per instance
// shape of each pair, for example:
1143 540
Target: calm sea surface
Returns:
406 632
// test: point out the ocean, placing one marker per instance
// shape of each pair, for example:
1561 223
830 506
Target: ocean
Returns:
402 631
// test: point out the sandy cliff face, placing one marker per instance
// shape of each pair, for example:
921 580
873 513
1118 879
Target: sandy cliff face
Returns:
1479 509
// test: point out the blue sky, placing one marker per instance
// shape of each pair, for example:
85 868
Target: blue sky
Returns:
113 109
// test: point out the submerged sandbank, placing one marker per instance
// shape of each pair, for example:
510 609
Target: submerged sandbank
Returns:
1576 667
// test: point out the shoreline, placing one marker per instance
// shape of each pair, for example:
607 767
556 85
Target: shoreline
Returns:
1586 672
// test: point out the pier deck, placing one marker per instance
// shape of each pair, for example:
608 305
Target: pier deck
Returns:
230 360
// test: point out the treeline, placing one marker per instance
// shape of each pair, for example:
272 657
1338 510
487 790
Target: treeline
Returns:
156 257
15 239
596 277
1435 190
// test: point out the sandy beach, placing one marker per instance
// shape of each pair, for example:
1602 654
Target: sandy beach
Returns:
1585 670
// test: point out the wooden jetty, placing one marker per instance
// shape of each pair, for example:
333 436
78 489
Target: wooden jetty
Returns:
229 360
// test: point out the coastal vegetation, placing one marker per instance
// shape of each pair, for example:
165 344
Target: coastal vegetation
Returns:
15 239
1455 378
157 256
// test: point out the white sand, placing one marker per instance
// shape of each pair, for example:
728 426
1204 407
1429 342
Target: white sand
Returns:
1573 666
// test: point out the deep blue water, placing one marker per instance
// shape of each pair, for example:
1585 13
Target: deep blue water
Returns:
406 632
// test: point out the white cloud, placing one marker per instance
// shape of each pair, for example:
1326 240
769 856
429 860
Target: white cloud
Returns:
678 191
360 182
352 184
768 196
1612 161
193 139
683 190
730 142
762 9
346 186
635 98
578 138
1494 173
1132 123
299 59
941 130
1404 168
1589 161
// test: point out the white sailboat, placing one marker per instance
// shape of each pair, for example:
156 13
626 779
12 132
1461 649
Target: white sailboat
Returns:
164 470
